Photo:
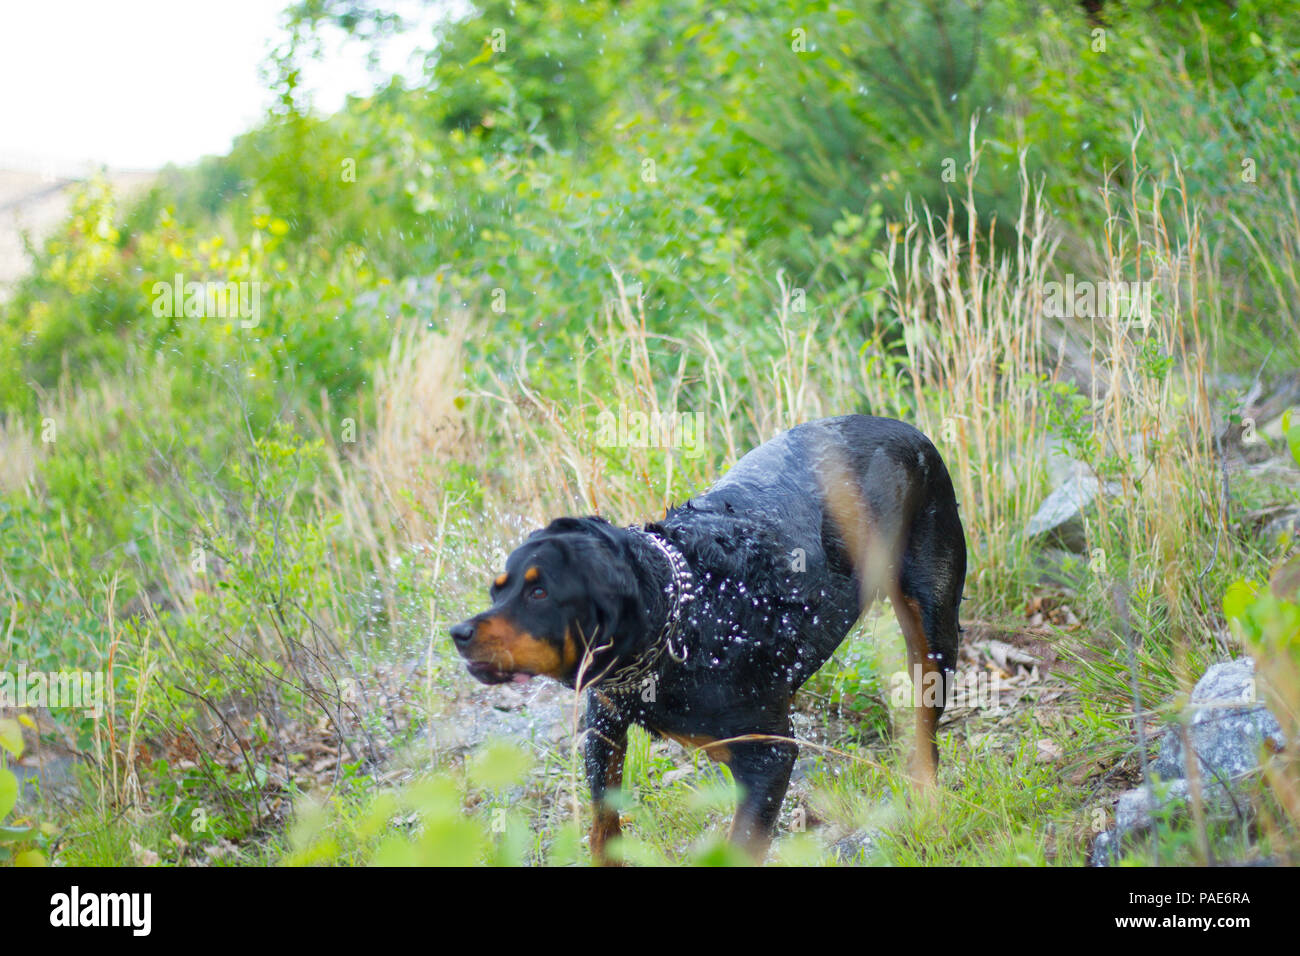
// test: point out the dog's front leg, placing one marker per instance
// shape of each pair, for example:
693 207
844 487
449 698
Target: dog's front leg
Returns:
762 769
604 751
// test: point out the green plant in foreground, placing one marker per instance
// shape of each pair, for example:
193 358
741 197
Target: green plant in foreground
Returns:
481 813
23 841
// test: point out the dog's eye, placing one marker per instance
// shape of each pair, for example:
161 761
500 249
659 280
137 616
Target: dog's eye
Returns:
538 593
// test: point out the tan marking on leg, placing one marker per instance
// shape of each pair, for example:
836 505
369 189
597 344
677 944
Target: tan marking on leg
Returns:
606 824
925 679
873 552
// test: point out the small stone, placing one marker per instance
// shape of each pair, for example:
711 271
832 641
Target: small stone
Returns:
1227 727
856 847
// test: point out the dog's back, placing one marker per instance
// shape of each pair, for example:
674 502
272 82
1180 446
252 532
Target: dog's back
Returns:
858 507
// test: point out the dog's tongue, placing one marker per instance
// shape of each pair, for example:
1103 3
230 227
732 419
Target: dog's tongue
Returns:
522 678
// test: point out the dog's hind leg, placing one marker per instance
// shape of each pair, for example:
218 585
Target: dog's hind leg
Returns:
928 686
926 598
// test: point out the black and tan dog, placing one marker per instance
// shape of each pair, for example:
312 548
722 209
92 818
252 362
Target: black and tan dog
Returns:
702 626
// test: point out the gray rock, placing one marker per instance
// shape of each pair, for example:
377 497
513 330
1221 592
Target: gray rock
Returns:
420 292
1061 513
50 773
1288 522
1137 807
540 713
857 846
1228 726
1136 810
1105 849
806 767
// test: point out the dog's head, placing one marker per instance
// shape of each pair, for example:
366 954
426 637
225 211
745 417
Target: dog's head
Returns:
569 601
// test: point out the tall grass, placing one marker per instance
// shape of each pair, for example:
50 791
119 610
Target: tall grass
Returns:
970 318
959 343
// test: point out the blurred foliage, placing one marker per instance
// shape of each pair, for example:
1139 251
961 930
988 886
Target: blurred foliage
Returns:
23 841
697 150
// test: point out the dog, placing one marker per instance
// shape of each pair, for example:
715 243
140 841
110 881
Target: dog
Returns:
702 626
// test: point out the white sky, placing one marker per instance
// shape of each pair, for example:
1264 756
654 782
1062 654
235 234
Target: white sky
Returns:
135 84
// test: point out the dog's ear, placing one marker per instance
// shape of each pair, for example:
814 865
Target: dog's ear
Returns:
614 591
616 597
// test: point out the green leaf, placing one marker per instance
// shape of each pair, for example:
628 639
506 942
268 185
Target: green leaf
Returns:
14 834
1239 596
1291 429
31 858
11 737
500 765
8 791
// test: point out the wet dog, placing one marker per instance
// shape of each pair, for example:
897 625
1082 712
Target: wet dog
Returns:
702 626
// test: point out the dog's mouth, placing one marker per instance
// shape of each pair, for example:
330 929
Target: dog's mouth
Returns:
491 674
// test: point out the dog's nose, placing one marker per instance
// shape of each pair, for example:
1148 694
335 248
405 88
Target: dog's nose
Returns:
463 632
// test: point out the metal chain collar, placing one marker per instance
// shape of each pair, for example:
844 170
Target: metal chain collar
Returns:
683 588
